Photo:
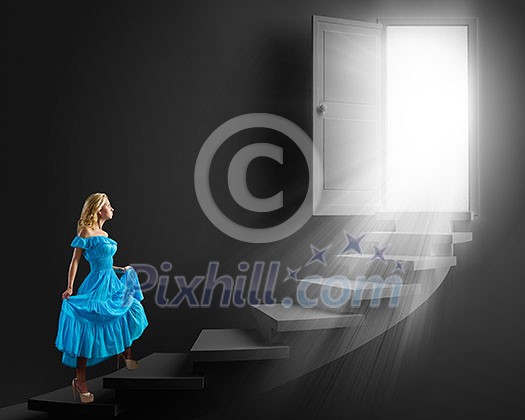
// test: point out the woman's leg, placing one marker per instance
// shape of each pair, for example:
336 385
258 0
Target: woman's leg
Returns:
81 374
127 353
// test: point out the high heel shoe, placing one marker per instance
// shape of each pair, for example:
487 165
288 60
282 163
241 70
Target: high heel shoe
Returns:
130 363
85 397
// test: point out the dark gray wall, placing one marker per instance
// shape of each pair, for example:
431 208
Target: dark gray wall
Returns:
119 97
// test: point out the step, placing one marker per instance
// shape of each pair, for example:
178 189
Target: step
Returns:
158 371
434 237
462 225
365 222
425 221
60 402
21 412
365 264
414 243
235 344
363 289
297 318
451 215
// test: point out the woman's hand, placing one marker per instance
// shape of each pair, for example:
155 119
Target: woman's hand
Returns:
126 268
68 292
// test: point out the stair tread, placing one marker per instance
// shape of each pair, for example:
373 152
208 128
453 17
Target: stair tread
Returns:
298 318
368 288
414 221
61 401
452 215
440 237
297 312
21 412
400 257
352 284
157 371
235 344
420 262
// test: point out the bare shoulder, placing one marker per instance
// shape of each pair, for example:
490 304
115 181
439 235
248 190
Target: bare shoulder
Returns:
87 232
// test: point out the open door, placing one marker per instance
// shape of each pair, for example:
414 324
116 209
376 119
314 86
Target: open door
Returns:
347 122
395 116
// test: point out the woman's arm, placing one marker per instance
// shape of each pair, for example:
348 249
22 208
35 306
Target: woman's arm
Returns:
72 272
121 268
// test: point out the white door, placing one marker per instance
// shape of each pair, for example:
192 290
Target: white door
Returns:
347 121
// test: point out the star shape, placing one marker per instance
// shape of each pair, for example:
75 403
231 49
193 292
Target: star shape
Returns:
292 274
352 243
318 255
400 266
379 254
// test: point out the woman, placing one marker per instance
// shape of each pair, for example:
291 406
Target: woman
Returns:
105 316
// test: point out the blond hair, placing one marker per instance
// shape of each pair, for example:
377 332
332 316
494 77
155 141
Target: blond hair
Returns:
90 209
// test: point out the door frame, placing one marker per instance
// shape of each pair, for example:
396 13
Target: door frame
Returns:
473 87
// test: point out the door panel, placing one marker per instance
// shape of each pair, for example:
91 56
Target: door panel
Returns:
350 68
348 159
347 116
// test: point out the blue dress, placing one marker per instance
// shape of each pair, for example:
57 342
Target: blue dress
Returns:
105 316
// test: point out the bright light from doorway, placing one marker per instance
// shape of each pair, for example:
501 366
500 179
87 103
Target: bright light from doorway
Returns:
427 118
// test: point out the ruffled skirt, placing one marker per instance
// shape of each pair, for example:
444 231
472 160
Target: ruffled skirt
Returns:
102 319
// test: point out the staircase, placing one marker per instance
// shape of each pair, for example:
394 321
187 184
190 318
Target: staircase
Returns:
404 258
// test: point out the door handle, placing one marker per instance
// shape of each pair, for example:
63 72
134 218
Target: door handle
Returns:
322 108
